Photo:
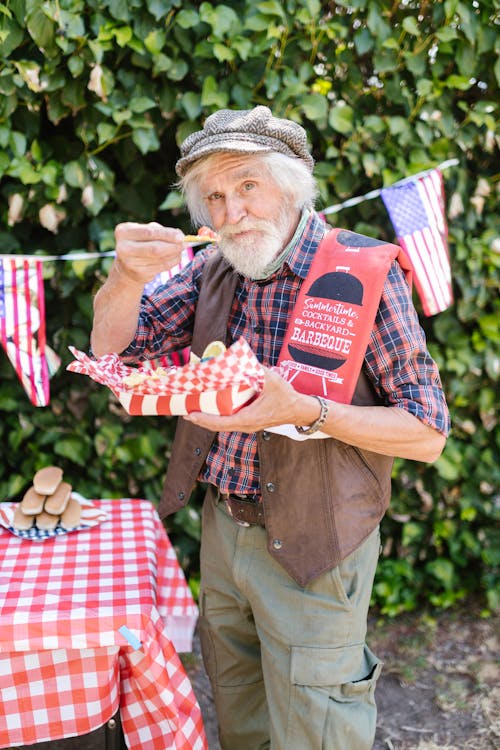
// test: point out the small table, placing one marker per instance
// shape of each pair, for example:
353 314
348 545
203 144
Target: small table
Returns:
91 622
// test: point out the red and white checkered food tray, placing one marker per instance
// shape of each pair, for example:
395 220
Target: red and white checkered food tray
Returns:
220 385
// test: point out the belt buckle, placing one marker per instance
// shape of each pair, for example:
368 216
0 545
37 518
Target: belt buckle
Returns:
245 524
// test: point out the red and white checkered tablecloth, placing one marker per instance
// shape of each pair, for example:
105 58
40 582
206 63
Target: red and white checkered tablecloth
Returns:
66 662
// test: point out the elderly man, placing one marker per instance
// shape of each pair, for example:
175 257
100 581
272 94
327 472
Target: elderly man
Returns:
290 528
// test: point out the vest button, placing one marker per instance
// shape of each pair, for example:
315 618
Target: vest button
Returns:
181 495
277 543
266 435
197 451
270 487
112 724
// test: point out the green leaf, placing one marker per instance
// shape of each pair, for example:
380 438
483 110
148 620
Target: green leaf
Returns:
75 175
42 31
12 36
178 70
173 200
341 118
119 9
73 448
123 35
141 104
271 8
363 41
71 24
18 143
212 94
155 41
463 83
410 25
443 570
145 139
315 107
222 52
187 19
191 102
221 18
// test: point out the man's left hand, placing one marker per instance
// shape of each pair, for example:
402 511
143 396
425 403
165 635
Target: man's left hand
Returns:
278 403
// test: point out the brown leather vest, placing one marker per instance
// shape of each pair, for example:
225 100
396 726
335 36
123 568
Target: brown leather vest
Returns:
321 498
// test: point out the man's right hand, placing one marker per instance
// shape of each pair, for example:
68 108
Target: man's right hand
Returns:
145 250
142 252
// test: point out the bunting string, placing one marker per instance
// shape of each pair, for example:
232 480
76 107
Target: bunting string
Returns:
376 193
415 205
325 211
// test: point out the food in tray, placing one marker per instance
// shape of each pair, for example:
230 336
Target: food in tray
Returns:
137 378
205 234
213 349
47 502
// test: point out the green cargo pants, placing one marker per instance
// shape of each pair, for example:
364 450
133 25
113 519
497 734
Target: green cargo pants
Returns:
289 666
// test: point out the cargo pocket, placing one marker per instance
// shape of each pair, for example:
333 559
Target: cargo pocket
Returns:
332 701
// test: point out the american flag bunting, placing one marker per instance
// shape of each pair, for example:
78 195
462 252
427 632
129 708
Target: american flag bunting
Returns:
22 324
416 208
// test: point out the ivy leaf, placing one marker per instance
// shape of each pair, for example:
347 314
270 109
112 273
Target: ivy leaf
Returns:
187 19
42 31
119 9
141 104
341 118
212 95
192 104
222 52
315 107
145 139
410 25
178 70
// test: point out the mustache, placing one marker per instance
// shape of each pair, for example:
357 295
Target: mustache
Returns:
246 226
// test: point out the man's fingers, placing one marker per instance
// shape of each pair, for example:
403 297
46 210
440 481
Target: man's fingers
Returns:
153 232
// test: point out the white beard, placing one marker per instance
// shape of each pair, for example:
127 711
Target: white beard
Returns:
250 256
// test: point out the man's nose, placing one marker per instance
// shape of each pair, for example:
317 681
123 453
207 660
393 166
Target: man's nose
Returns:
235 209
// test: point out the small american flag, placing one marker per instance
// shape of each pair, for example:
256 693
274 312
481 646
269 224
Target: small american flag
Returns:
416 209
22 324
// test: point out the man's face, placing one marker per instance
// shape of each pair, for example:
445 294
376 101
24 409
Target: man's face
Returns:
253 217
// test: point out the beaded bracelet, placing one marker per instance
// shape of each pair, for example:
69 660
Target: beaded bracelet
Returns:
320 420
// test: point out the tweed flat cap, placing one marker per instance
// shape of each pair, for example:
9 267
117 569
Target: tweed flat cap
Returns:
247 131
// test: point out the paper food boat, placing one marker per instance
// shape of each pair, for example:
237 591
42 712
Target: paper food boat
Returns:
221 385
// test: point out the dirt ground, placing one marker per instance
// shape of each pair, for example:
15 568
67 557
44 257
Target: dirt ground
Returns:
439 689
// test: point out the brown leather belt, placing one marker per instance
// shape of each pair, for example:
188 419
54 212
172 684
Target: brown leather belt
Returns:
245 510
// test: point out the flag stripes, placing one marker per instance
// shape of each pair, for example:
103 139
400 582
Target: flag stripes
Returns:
416 208
22 325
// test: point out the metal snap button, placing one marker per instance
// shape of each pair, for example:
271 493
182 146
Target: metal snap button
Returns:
270 487
266 435
277 543
112 724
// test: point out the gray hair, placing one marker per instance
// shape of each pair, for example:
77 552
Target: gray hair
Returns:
291 175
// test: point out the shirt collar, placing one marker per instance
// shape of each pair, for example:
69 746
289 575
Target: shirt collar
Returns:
310 231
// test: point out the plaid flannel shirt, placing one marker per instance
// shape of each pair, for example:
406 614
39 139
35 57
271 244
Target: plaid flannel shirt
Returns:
396 361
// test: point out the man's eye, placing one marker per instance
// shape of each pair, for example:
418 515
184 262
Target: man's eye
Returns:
215 196
248 186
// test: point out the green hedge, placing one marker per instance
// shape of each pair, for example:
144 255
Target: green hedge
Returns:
94 99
